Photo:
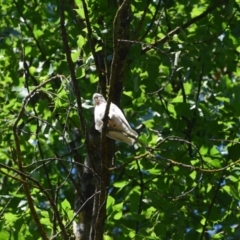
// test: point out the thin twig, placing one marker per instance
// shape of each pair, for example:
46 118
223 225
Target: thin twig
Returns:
75 215
20 161
187 24
72 71
92 46
31 31
204 228
158 50
139 26
152 21
140 197
105 144
114 64
25 177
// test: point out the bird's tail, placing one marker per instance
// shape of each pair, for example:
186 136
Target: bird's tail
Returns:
129 138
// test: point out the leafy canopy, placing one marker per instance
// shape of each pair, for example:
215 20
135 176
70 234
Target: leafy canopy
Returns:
180 91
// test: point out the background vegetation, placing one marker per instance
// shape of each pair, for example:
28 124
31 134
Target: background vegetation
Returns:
172 66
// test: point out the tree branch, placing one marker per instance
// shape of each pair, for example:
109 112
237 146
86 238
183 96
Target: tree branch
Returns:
72 72
152 21
115 81
20 165
31 31
211 207
92 46
25 177
21 169
187 24
139 26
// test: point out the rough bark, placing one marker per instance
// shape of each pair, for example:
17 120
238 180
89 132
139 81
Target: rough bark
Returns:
87 179
90 203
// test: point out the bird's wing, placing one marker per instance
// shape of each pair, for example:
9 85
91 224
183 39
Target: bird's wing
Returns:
121 123
116 120
117 115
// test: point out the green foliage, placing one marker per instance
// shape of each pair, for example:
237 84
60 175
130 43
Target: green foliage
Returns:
180 91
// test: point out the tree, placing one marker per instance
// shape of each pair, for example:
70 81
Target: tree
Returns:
172 66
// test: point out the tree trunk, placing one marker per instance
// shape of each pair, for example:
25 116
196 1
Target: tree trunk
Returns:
90 203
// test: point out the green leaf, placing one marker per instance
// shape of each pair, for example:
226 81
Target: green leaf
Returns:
118 207
4 234
120 184
215 162
107 237
75 55
128 93
193 175
117 216
204 150
80 41
187 87
32 70
178 99
155 171
10 217
47 222
80 12
110 201
65 205
80 72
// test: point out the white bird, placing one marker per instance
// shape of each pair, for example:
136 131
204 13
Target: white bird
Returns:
117 120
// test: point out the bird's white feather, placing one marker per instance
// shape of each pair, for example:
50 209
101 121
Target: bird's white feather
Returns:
116 120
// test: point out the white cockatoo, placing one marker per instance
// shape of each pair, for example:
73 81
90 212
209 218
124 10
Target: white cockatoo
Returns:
116 120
